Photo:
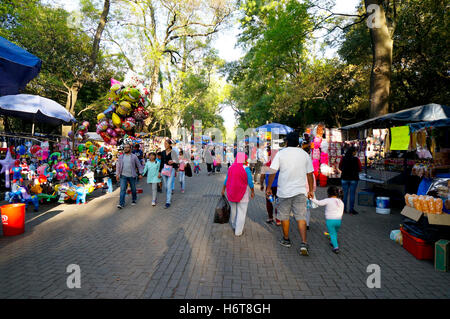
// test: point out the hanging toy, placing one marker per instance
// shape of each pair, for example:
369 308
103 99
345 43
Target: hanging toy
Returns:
17 172
7 163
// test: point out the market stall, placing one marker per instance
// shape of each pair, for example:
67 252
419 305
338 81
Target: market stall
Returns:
398 150
407 161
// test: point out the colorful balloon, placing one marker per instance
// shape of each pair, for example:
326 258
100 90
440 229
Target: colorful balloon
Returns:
116 120
100 116
102 126
124 108
129 124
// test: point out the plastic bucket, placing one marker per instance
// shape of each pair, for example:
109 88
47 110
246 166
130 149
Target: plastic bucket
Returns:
13 219
383 205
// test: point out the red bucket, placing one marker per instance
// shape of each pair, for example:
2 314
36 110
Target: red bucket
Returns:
13 219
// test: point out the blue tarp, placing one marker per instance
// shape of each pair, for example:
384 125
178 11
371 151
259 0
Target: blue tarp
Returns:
17 67
418 126
423 113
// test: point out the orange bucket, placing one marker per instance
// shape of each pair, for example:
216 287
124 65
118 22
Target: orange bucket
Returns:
13 219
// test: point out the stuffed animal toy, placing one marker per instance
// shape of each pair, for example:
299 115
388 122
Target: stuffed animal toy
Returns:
81 195
17 173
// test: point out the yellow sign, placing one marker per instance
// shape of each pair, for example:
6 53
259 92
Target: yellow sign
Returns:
400 138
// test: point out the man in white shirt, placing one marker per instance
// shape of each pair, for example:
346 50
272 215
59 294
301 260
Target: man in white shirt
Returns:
296 169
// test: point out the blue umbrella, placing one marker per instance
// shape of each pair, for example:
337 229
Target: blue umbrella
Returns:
282 129
17 67
35 108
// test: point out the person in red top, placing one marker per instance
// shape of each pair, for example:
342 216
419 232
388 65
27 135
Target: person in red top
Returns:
349 168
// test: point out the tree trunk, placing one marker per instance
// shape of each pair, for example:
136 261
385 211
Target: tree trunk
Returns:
380 79
154 79
73 91
98 35
73 96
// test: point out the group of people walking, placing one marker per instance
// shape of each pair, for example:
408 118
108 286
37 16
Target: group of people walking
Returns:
160 168
290 189
287 175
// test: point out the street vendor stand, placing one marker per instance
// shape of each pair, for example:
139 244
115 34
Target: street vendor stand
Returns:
407 158
388 169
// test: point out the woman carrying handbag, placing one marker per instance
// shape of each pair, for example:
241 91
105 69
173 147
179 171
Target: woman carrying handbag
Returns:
169 160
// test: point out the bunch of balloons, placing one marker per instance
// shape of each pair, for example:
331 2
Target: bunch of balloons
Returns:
125 114
80 134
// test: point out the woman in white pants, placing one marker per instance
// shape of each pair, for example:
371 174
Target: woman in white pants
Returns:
239 187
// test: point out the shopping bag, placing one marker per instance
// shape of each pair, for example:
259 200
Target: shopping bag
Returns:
167 170
222 213
188 170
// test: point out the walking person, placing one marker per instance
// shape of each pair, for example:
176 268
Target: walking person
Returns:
176 151
152 169
197 166
307 148
182 164
349 168
264 180
334 209
209 159
127 169
237 185
158 159
296 170
169 160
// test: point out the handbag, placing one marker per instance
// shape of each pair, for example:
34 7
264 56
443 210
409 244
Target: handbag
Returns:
222 212
188 170
167 170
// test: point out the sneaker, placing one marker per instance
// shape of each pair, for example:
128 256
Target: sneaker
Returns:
182 191
119 206
285 242
304 249
167 205
336 250
133 203
153 203
354 212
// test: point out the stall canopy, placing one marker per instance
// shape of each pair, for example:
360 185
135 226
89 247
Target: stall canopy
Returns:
423 113
17 67
421 125
35 108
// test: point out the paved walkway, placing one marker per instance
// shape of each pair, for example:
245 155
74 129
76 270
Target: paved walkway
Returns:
145 252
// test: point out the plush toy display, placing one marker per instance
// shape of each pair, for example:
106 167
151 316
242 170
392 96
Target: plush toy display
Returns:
64 174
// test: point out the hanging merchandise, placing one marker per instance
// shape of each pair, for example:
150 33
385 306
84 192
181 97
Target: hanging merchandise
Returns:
7 164
126 113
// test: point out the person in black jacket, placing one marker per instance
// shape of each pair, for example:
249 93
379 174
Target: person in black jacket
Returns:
350 167
168 166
